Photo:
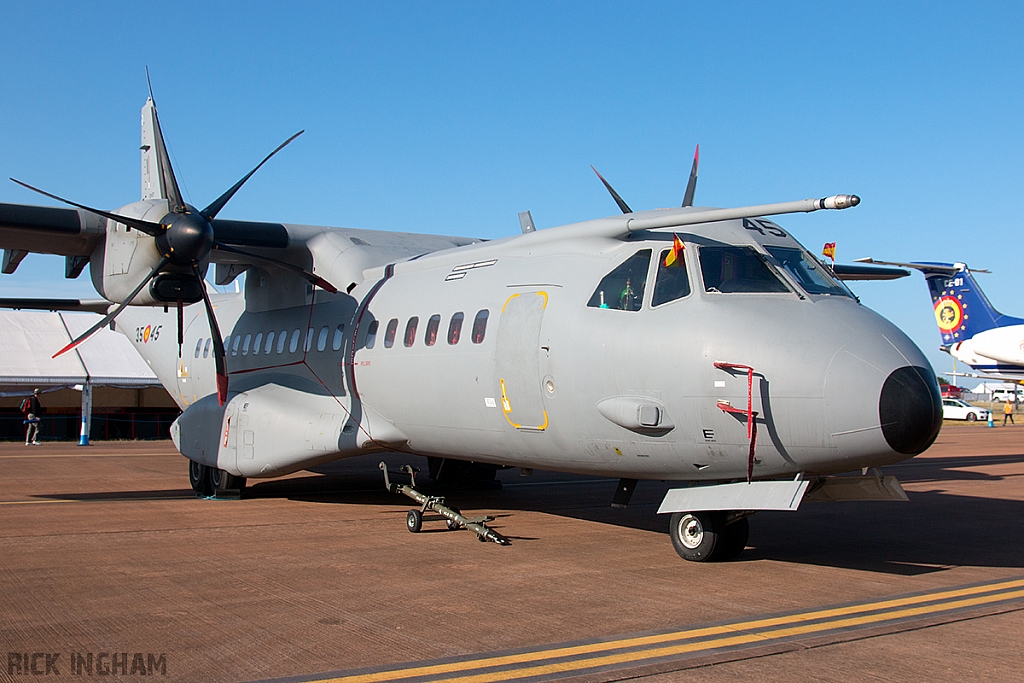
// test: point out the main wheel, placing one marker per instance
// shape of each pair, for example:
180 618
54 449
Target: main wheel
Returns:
732 540
414 521
197 477
695 534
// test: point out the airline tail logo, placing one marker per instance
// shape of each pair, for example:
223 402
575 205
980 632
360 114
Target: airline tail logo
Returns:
949 314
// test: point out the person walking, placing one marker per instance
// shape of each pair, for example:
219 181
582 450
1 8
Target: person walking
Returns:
1008 412
32 409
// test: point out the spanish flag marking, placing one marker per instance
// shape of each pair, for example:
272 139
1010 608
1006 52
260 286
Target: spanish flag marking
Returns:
672 257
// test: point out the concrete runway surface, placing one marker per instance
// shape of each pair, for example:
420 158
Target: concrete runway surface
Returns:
110 567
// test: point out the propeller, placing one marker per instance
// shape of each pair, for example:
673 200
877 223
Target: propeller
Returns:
691 186
184 238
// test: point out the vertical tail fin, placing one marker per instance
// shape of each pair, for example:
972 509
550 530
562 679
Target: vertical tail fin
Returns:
961 308
152 178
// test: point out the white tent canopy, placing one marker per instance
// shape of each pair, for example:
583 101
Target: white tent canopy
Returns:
28 340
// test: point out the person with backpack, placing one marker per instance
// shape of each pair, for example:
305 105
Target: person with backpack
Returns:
31 409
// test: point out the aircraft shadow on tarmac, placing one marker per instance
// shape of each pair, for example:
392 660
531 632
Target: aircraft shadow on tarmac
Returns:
935 531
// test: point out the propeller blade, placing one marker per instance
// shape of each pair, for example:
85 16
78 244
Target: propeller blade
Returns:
218 342
623 206
110 316
181 321
175 204
213 209
691 185
151 229
301 272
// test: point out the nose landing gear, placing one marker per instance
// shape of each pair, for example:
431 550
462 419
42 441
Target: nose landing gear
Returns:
709 536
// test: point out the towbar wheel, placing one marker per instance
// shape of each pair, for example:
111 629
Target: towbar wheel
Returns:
414 521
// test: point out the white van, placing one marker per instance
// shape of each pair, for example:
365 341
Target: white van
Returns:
1003 394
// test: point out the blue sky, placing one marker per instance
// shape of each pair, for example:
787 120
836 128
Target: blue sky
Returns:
452 117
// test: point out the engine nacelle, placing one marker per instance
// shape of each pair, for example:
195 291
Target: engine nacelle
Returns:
126 256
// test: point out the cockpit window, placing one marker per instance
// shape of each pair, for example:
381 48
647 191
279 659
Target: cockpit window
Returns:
731 270
623 288
806 271
673 282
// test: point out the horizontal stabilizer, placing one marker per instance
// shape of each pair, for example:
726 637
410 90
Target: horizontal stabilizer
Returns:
78 305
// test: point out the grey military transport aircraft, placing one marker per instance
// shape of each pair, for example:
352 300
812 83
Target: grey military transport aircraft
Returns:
698 345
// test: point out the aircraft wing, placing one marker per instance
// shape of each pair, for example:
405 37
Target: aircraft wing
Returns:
77 305
858 272
49 230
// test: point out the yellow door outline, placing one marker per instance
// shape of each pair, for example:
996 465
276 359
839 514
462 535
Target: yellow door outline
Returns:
506 405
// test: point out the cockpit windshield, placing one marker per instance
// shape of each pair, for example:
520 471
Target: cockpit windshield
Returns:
807 273
623 288
730 270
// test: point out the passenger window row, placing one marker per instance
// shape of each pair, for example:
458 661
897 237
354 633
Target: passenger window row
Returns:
432 328
248 345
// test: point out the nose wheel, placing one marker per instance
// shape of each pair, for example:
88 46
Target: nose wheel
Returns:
708 536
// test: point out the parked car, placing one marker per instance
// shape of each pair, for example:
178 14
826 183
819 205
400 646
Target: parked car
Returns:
952 391
955 409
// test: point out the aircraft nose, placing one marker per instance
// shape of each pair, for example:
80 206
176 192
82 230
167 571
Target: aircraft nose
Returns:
882 400
910 409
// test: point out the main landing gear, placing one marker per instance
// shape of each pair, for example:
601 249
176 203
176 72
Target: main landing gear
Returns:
708 536
212 482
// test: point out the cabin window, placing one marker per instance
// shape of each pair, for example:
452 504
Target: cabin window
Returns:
807 272
390 332
430 338
227 345
199 347
308 343
293 345
245 344
410 331
455 328
270 342
256 343
371 334
235 345
321 341
206 349
672 282
730 270
339 337
282 339
480 326
623 288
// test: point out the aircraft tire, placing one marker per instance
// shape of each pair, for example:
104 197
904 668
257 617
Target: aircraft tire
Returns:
222 482
414 521
197 477
696 534
732 540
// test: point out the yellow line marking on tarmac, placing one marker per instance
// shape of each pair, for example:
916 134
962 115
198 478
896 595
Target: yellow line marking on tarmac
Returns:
886 610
